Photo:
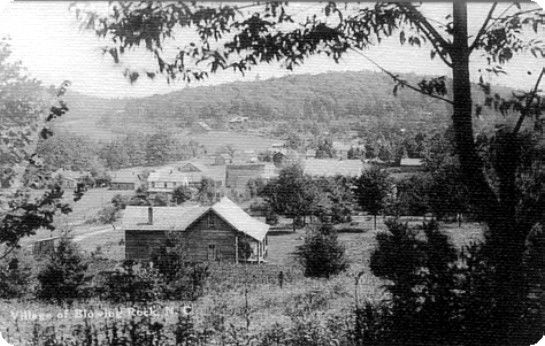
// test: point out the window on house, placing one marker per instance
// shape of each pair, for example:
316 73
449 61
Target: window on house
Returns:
152 184
174 184
165 184
211 252
211 221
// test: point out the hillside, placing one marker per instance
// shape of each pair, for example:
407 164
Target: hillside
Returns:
356 97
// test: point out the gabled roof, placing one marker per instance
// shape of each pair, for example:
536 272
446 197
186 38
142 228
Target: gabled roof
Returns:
164 218
239 219
180 218
192 167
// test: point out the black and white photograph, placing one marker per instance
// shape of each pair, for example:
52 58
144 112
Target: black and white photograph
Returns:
247 173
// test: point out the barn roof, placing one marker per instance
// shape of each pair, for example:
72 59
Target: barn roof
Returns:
125 176
340 145
204 125
411 162
168 174
331 167
181 217
68 174
185 172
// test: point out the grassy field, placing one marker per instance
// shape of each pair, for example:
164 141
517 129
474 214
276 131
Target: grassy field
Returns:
89 236
213 140
265 303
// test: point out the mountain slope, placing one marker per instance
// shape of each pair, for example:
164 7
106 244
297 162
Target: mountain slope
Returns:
304 99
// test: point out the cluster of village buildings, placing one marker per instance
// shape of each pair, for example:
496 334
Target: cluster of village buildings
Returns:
231 171
216 232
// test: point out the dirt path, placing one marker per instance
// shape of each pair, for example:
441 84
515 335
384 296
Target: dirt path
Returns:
84 236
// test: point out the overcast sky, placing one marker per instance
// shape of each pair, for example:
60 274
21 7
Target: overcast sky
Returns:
46 38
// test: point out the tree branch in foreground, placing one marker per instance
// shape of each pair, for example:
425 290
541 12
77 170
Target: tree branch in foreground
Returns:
482 30
529 101
401 81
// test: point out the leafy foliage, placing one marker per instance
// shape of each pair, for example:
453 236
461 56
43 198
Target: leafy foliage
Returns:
130 284
412 196
15 277
207 192
229 38
181 194
321 254
244 249
68 151
108 215
338 204
292 194
80 153
25 216
420 265
64 273
325 149
310 104
182 279
372 189
23 108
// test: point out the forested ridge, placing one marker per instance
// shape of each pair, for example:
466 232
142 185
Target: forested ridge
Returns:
333 96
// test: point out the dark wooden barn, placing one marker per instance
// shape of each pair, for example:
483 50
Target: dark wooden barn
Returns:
222 232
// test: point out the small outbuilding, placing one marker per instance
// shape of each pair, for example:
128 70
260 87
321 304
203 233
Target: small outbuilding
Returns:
126 179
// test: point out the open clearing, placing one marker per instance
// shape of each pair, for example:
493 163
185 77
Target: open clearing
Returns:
213 140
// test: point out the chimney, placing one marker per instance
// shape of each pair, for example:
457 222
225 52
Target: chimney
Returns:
150 215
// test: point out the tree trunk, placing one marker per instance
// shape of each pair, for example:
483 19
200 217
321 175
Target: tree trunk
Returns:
482 196
505 241
375 221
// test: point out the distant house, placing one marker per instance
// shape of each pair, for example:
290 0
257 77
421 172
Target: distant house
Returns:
341 149
352 133
45 246
168 178
200 127
408 162
279 147
377 162
333 167
125 179
238 175
238 120
213 233
243 156
222 159
193 171
204 126
68 179
196 171
310 153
